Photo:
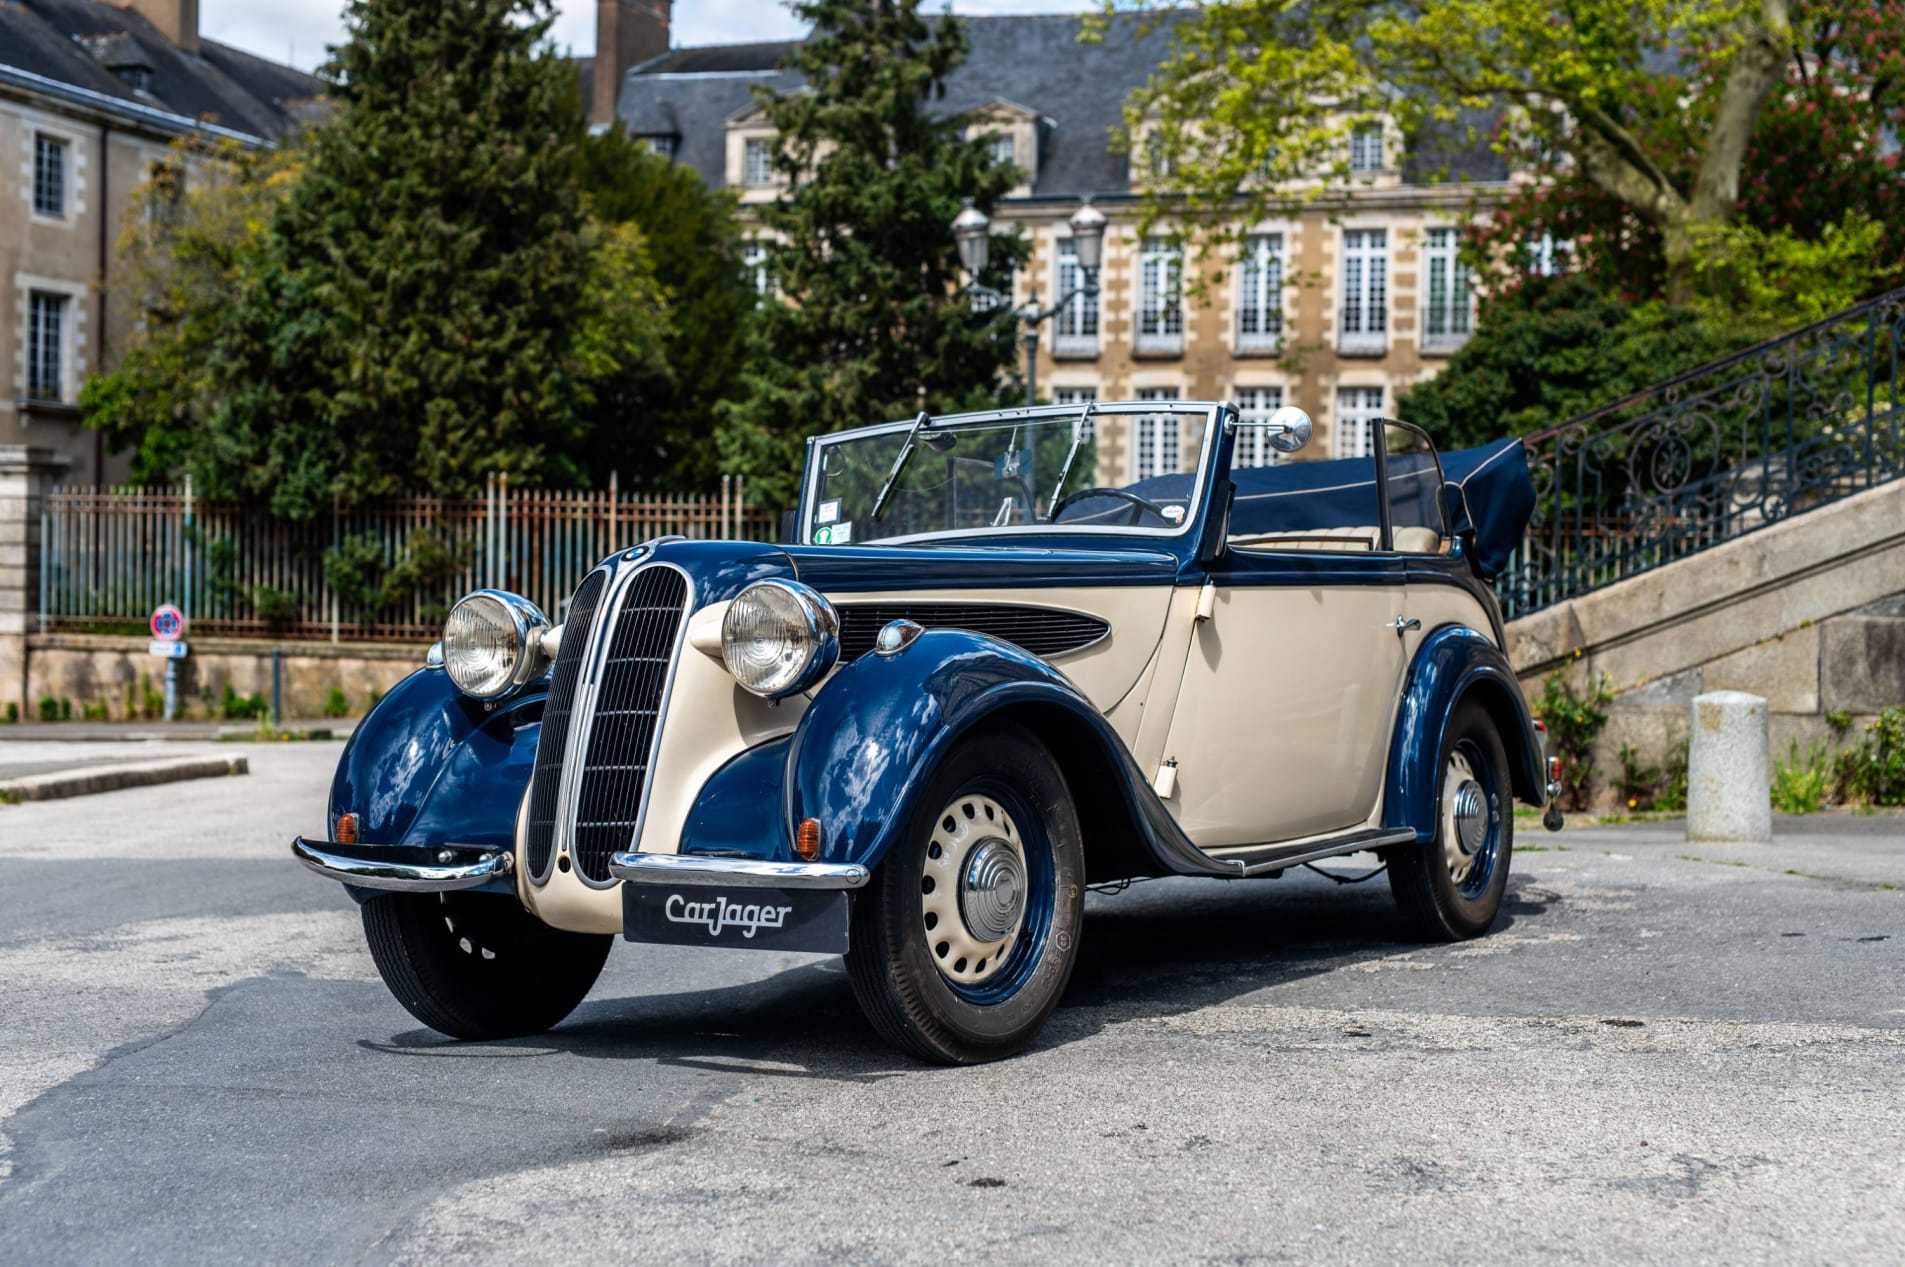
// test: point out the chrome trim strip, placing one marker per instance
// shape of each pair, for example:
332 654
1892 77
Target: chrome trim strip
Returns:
1352 842
746 873
566 781
403 877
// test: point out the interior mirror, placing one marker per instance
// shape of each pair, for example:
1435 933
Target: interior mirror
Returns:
1289 429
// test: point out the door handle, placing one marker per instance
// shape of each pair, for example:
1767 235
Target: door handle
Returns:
1406 623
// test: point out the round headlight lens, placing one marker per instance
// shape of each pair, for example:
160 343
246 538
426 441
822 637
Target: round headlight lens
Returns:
490 647
779 637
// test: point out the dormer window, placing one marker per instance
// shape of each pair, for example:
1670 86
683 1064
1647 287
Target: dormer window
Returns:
138 78
662 145
757 161
1002 148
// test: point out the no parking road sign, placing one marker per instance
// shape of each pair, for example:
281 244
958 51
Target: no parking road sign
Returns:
168 623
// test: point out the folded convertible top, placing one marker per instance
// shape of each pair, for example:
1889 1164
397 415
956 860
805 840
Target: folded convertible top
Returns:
1487 494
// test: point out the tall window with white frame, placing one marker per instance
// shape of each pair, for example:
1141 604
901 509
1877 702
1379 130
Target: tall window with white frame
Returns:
1157 449
1077 333
1449 310
49 176
757 161
1003 148
754 262
1253 447
1357 409
46 346
1160 298
1260 294
1365 319
1365 148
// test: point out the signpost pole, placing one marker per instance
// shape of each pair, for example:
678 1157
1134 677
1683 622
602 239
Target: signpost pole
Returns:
171 687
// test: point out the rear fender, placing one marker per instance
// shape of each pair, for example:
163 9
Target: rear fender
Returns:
430 766
1455 663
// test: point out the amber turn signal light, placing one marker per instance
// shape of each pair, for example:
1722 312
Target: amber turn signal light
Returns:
1554 769
347 829
807 840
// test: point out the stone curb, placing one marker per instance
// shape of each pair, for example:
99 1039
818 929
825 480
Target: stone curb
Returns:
85 782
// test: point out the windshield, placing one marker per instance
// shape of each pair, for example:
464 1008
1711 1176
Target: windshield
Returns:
1039 469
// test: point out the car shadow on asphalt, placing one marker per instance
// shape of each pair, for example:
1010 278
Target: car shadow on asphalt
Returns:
1145 955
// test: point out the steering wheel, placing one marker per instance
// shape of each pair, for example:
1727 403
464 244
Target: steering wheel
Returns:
1137 503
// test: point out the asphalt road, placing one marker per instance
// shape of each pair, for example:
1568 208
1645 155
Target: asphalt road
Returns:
1663 1052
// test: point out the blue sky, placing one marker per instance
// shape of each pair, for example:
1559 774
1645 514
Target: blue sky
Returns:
297 31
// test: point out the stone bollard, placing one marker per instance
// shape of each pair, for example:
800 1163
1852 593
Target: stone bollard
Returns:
1729 790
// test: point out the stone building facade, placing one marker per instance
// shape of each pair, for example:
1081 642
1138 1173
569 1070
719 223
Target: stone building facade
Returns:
92 95
1336 309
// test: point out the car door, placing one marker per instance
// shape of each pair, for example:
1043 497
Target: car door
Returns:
1281 725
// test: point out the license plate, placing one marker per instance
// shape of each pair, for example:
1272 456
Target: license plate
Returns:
740 918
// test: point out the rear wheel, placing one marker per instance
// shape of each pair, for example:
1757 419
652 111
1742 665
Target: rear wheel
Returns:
964 940
1452 888
478 966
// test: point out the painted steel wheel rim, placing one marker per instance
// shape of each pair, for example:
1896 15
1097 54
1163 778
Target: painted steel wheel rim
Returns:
1471 820
986 893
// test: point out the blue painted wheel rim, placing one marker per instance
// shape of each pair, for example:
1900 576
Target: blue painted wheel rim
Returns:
974 834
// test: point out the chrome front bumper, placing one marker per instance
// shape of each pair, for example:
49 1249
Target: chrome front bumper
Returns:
405 868
743 873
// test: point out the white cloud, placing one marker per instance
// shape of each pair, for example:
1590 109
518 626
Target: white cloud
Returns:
299 31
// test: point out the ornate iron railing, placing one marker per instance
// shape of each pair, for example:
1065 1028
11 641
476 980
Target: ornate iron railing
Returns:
1717 452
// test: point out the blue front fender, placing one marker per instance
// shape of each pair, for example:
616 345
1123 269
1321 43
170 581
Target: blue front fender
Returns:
872 736
430 766
1452 664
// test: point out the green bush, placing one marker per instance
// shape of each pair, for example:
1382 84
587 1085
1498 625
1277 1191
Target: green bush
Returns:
236 707
278 609
13 712
1575 720
335 705
1800 784
1660 787
1874 772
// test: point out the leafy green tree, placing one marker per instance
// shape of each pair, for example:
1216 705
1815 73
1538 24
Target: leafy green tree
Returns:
874 325
428 301
658 427
1554 348
1259 97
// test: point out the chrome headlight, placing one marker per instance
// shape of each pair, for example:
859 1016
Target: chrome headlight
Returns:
492 644
779 637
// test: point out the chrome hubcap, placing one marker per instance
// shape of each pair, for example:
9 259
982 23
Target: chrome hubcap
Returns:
1466 816
973 891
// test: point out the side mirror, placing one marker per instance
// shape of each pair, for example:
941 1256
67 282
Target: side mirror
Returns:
1289 429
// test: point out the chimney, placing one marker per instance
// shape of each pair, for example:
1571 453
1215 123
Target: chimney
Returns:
627 33
177 20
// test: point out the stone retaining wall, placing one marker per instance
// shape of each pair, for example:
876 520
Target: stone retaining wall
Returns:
91 669
1809 613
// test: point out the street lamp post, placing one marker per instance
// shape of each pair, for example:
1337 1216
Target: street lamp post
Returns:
973 232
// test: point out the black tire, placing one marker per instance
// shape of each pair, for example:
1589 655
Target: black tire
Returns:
478 966
901 984
1438 900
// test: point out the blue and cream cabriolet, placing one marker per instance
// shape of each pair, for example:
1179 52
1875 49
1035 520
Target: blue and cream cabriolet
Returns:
976 683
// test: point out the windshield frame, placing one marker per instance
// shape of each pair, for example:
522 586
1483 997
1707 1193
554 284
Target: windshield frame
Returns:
1212 412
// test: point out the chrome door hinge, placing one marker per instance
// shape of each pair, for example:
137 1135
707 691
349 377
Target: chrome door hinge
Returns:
1406 623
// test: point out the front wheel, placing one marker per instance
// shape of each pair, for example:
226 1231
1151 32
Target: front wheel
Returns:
963 942
478 966
1452 888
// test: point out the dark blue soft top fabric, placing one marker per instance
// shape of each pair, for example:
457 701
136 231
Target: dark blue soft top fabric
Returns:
1487 494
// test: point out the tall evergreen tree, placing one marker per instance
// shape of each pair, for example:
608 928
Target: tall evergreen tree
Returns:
872 324
658 420
429 302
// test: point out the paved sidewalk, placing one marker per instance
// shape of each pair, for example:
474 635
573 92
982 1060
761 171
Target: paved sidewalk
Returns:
172 731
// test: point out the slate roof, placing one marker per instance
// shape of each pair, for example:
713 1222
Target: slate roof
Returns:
65 40
1037 61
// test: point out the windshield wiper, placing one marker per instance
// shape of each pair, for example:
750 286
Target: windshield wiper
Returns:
899 463
1078 438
